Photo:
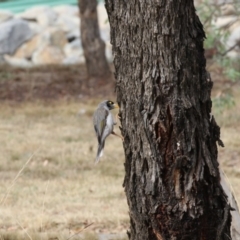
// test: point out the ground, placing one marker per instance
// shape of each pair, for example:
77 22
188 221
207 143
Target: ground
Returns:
49 185
51 83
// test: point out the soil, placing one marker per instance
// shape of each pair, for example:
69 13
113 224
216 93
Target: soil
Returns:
51 83
71 82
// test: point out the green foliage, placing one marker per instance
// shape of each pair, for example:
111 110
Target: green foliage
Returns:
222 102
4 76
231 68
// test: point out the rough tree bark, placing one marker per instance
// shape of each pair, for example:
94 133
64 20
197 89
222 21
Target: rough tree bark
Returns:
172 180
93 45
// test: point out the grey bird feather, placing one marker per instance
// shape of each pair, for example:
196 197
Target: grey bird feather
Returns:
103 122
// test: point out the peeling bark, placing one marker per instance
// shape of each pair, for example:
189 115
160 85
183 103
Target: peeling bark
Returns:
93 45
172 180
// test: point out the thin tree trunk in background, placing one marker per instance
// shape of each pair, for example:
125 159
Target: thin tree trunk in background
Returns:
172 180
93 45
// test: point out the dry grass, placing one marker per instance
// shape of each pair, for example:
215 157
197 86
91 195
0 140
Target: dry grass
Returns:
230 134
60 190
49 185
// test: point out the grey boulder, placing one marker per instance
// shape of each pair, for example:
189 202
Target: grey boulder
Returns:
13 34
5 15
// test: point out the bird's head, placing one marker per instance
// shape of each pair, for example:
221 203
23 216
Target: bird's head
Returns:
111 105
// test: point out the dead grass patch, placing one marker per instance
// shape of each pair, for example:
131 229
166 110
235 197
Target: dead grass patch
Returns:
60 190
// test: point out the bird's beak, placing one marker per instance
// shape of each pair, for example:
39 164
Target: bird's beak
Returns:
115 105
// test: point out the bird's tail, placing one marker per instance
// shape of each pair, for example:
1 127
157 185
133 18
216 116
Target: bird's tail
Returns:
99 152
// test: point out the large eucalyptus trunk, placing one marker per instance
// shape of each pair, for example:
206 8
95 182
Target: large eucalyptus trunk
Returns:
93 45
172 180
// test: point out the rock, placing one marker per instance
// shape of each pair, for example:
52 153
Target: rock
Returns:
71 36
27 49
43 15
102 17
29 14
55 36
108 52
47 18
56 40
73 48
51 36
35 27
73 52
17 62
73 60
67 10
68 23
105 30
5 15
105 34
13 34
48 55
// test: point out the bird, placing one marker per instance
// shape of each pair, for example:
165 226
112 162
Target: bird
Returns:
103 122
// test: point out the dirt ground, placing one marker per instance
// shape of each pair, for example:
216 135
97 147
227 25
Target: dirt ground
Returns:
51 83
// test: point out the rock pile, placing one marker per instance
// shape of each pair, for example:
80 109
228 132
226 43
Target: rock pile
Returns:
44 35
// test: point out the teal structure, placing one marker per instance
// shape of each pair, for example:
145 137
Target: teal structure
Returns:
17 6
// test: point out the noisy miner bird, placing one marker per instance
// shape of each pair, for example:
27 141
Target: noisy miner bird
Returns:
103 122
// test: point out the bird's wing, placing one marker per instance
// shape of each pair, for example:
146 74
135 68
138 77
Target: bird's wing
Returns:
100 118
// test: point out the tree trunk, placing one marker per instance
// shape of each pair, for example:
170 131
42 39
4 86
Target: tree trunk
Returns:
93 45
172 180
